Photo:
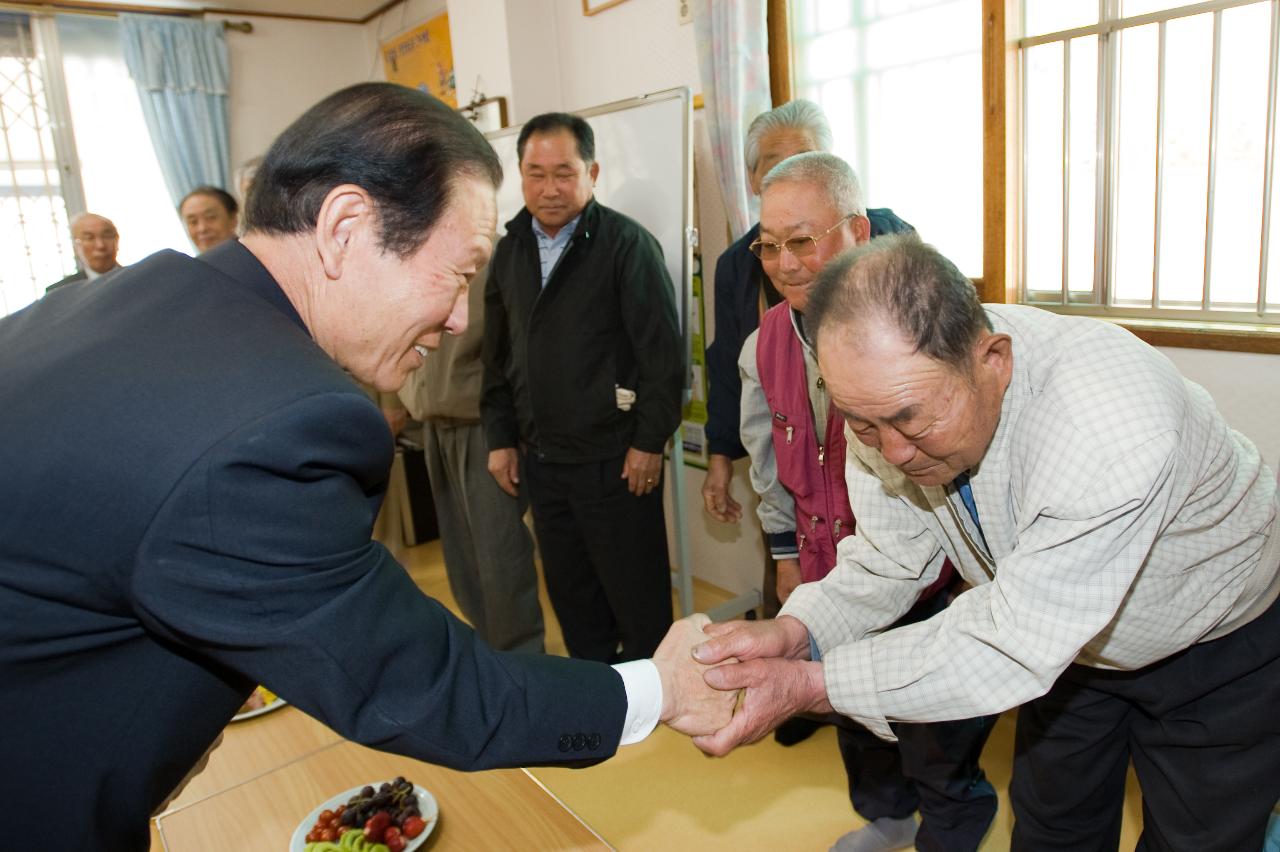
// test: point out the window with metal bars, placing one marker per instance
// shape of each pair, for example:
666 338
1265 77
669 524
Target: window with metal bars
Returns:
35 245
1148 158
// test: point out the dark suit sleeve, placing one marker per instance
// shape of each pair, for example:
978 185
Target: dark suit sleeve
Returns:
725 393
647 298
885 221
497 399
260 560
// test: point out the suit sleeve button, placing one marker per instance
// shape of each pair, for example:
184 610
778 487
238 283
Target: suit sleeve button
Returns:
566 742
593 742
579 742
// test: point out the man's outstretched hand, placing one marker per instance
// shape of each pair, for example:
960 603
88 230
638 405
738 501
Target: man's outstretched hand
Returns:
776 690
689 703
775 671
783 636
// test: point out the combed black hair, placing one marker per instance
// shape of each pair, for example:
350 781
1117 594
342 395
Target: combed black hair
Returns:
402 146
226 199
551 122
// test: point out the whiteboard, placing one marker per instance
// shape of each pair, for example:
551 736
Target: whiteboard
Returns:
644 146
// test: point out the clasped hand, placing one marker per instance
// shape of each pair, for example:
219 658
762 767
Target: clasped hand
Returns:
767 661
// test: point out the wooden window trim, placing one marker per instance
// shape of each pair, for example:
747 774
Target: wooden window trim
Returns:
778 18
1002 197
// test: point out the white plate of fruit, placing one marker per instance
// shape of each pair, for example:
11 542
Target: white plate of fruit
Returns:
394 816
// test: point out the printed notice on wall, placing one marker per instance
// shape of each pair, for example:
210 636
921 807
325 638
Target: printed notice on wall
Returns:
693 428
422 58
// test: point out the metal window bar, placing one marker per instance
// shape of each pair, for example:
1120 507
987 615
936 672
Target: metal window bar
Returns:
1268 167
1109 180
1066 171
1159 218
1022 177
38 89
1101 145
1214 83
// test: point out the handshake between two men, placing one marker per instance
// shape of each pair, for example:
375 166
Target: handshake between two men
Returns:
706 667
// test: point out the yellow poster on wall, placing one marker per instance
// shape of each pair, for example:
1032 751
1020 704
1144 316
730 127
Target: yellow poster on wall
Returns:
422 58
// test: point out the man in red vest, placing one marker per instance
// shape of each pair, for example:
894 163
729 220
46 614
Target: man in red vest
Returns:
811 210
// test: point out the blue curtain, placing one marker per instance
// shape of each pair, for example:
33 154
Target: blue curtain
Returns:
180 67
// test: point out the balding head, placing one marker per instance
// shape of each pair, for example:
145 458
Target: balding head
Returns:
96 241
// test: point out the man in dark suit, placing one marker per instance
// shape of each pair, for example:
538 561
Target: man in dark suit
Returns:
191 478
97 242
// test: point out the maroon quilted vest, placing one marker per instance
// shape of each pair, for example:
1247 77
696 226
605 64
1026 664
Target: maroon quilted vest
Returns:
810 466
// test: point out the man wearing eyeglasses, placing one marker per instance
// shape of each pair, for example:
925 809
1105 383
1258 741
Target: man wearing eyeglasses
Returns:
96 241
812 210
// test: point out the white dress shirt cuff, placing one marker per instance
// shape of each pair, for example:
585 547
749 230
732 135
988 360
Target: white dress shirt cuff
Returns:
644 699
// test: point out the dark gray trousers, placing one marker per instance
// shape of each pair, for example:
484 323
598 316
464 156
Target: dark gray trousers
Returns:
488 551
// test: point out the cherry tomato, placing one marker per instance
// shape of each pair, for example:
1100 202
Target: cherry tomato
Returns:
313 836
326 816
376 826
393 840
413 826
330 834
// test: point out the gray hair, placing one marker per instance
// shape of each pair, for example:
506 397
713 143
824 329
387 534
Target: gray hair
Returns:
909 284
828 172
800 114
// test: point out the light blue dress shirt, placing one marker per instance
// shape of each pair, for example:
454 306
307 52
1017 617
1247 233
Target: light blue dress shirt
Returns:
550 248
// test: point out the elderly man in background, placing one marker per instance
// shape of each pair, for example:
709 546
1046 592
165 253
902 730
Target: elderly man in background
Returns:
208 528
1121 540
488 551
743 292
96 242
584 372
811 210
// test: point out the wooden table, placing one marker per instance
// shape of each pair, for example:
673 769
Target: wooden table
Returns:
498 809
254 747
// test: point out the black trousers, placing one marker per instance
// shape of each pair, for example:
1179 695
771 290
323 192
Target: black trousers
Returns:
933 768
604 556
1203 731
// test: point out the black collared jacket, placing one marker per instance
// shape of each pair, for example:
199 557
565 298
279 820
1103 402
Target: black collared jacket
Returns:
555 356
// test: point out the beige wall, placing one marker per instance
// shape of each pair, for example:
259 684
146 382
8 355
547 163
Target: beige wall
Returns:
283 67
1246 387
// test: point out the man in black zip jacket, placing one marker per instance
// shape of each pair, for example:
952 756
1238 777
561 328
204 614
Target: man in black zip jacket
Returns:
582 380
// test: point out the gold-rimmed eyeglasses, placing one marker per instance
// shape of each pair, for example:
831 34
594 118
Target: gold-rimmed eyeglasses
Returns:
801 246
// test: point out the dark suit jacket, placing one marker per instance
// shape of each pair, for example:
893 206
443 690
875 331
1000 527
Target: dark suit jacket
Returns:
78 275
189 486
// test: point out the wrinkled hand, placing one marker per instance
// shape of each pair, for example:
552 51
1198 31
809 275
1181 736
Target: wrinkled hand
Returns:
784 636
642 471
689 704
715 491
788 578
504 465
776 690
